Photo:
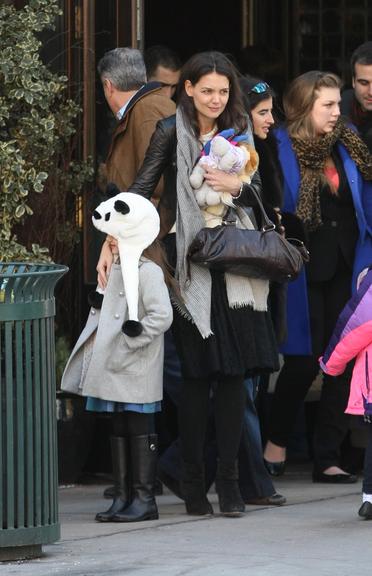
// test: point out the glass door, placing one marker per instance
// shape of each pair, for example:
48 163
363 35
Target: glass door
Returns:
327 32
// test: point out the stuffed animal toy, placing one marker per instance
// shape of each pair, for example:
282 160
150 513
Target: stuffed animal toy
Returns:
234 156
134 222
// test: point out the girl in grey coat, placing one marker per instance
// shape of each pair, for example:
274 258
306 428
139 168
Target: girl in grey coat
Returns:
122 374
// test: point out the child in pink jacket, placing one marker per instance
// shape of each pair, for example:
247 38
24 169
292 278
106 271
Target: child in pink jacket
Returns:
352 338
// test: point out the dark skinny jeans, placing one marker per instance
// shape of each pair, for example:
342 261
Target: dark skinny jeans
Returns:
367 473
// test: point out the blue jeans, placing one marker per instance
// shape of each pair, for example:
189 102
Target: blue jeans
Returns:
170 457
254 480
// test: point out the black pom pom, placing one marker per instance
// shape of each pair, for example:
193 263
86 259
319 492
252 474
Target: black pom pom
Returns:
132 328
95 299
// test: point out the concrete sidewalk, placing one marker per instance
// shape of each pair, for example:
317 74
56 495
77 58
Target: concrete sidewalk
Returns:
317 533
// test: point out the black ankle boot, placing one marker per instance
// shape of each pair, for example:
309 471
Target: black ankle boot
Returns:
194 492
197 503
143 450
119 451
227 488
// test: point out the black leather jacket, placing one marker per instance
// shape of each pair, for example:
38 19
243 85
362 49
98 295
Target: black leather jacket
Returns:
161 160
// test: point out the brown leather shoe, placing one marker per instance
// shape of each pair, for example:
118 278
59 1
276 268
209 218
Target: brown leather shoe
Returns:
273 500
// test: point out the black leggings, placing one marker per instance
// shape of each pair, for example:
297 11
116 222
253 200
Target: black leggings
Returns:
326 300
132 424
296 377
228 400
367 480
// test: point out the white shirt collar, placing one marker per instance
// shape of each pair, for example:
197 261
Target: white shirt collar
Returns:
122 110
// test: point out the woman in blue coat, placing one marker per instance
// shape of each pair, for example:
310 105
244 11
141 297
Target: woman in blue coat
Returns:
326 169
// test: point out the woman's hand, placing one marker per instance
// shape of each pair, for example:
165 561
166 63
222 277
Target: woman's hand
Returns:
109 248
222 181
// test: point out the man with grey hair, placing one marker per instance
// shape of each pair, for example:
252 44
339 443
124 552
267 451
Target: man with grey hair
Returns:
137 105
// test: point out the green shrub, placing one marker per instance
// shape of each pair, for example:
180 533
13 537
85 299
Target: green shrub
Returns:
37 123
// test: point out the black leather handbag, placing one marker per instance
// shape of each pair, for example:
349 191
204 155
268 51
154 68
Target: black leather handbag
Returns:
262 253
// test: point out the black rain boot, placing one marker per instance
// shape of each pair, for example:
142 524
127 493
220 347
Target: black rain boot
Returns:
227 488
143 466
119 451
194 491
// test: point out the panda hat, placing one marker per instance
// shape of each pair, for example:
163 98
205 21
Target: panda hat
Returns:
134 222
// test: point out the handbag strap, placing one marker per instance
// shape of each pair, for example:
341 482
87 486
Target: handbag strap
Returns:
230 217
266 224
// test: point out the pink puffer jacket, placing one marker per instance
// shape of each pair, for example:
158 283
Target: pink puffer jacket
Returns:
352 338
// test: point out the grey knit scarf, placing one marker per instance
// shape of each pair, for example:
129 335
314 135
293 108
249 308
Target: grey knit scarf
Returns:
195 281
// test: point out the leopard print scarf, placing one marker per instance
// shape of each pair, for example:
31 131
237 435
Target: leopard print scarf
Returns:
312 155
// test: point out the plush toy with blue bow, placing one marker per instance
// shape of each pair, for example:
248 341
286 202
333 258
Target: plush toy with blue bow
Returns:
227 152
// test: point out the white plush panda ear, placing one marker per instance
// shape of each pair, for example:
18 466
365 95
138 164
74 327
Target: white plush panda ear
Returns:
111 190
122 207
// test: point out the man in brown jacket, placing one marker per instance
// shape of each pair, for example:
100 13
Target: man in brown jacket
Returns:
137 105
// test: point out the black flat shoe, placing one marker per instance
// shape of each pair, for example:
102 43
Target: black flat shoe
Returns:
273 500
275 468
365 511
320 477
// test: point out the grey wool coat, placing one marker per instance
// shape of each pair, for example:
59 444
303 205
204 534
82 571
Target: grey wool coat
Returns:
106 363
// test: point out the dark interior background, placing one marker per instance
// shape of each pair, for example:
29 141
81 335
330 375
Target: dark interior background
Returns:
192 26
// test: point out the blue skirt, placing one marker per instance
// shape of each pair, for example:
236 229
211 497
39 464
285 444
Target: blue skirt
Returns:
98 405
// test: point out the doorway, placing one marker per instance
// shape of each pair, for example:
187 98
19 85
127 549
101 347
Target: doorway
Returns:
250 32
193 26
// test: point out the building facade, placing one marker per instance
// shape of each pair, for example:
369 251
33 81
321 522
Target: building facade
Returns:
273 39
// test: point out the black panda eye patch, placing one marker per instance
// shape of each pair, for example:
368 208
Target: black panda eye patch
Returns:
97 215
107 216
122 207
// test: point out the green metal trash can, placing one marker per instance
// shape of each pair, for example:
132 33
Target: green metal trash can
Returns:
28 447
